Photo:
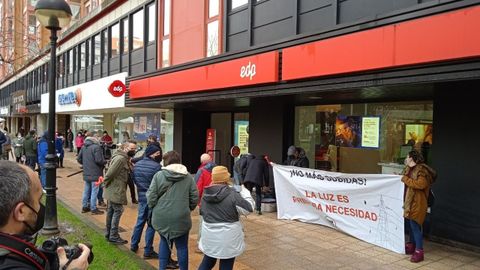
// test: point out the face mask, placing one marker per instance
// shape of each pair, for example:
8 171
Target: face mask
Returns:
38 223
158 159
131 153
19 136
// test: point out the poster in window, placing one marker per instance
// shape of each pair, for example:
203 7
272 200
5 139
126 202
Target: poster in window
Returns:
371 132
146 125
348 131
241 136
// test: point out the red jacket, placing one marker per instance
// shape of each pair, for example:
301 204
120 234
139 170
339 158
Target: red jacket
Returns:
204 180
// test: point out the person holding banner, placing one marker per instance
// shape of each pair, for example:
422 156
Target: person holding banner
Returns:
418 177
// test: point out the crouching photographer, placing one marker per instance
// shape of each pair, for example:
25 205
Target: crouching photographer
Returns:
21 217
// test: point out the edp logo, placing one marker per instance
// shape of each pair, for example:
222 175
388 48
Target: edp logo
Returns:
248 71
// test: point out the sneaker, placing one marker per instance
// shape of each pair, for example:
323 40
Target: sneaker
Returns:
134 249
102 204
197 250
259 212
152 255
417 256
97 212
172 265
117 241
134 201
85 209
409 248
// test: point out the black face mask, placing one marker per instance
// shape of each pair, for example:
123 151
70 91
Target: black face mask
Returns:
40 220
131 153
158 159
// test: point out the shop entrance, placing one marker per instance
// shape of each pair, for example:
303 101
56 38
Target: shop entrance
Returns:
230 129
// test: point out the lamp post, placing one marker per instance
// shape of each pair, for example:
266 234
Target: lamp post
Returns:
52 14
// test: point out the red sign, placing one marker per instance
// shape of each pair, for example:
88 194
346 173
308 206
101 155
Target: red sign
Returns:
210 143
235 151
425 40
117 88
257 69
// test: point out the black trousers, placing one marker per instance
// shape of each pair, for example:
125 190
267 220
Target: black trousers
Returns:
131 186
258 194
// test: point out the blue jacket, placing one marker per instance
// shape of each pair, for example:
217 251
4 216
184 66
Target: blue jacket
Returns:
59 147
143 173
42 150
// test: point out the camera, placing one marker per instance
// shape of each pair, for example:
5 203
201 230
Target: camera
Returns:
49 248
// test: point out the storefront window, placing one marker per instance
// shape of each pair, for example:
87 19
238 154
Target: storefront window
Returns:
363 138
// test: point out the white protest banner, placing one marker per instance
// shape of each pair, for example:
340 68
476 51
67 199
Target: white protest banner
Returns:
366 206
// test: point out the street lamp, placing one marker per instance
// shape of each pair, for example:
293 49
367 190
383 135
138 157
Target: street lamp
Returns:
52 14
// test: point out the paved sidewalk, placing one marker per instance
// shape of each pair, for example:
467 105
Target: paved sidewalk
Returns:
281 244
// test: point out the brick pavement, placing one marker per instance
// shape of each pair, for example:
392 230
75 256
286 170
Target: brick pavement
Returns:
281 244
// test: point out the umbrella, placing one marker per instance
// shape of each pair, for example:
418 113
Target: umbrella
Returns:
128 120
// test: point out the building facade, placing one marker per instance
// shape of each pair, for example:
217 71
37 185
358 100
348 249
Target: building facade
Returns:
356 84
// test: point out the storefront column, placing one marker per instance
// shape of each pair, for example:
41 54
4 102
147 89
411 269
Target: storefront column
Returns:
41 123
108 125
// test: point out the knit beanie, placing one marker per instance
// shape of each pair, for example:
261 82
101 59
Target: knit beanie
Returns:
151 149
220 175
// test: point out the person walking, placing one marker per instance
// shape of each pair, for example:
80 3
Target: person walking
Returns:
257 176
7 145
70 140
222 233
418 178
42 151
59 149
18 151
115 190
79 140
172 196
93 162
30 149
143 172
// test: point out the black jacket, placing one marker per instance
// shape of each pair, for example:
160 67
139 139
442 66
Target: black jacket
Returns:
257 172
91 157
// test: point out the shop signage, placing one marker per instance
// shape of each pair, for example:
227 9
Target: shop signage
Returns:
371 132
19 102
366 206
117 88
71 98
33 108
87 96
4 111
211 141
256 69
235 151
436 39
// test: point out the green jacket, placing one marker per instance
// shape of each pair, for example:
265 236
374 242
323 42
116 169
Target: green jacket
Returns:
18 146
172 196
30 146
116 178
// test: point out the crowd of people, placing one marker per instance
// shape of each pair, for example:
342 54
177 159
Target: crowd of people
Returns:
167 194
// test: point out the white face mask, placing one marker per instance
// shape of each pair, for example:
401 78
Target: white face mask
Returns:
19 136
409 162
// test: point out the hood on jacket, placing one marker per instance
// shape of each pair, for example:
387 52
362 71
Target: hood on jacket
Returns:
175 172
90 141
209 166
119 153
216 193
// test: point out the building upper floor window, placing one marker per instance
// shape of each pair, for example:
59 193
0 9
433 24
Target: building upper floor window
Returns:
96 47
125 35
152 35
166 17
213 28
82 56
238 3
105 44
115 41
138 26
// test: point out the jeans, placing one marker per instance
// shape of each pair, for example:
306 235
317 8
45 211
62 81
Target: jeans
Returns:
138 229
258 195
89 196
415 232
43 176
114 213
181 243
100 194
31 161
209 262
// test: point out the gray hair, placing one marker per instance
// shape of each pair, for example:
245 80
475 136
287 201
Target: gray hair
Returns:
14 188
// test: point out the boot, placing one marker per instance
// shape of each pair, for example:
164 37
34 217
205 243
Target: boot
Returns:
417 256
409 248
